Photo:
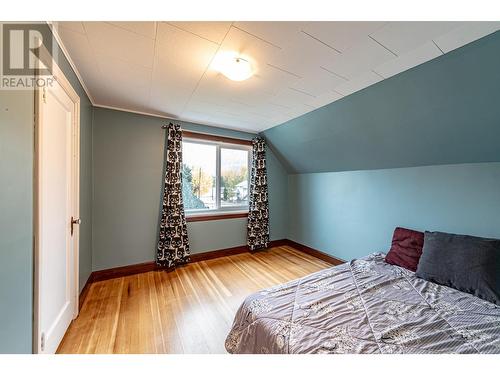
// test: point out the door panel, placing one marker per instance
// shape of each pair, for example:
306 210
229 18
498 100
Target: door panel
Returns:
56 290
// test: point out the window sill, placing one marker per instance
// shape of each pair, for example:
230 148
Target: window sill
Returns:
217 216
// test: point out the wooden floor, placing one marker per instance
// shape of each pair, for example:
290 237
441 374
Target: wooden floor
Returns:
189 310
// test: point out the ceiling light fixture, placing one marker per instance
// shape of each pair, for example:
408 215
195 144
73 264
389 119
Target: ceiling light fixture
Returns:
233 66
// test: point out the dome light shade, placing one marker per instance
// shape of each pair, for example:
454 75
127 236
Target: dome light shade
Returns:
234 67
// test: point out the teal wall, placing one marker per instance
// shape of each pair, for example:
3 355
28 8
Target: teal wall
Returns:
420 149
127 164
277 177
16 194
16 228
445 111
351 214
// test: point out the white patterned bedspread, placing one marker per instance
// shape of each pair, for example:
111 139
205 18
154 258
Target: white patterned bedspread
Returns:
364 306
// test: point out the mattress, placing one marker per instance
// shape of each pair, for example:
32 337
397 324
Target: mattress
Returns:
364 306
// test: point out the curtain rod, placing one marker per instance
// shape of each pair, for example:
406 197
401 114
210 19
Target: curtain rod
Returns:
192 131
214 137
198 132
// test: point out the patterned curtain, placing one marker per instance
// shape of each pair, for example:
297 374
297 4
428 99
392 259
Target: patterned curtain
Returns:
258 214
173 244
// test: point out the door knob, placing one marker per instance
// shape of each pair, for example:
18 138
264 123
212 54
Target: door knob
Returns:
73 222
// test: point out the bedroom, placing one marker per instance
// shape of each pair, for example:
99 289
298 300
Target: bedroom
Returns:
243 185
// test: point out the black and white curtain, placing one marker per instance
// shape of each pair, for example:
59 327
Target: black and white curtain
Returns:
173 244
258 213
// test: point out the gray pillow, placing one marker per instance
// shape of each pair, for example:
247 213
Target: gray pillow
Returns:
467 263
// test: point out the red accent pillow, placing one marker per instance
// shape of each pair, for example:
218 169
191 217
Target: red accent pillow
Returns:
406 248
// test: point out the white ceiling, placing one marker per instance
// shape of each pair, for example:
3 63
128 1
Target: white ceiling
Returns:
163 68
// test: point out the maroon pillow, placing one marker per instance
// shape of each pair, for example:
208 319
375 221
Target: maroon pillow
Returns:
406 248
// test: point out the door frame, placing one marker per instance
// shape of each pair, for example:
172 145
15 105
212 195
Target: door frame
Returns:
58 75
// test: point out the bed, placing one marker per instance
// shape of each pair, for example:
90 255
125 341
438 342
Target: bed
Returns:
364 306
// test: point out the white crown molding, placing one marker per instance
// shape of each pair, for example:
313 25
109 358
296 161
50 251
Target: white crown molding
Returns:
68 57
213 125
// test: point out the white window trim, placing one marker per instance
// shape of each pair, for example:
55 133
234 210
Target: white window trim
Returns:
219 210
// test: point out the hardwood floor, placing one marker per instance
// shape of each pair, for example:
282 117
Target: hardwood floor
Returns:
189 310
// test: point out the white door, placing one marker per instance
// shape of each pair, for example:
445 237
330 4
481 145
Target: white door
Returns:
57 201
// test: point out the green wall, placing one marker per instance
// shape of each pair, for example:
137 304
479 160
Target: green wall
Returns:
420 149
351 214
16 228
445 111
127 163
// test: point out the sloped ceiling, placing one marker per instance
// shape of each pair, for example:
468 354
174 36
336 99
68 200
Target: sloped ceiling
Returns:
164 68
445 111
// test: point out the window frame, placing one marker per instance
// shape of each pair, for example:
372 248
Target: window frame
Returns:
219 212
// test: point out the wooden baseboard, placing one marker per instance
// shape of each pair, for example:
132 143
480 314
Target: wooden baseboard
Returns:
276 243
315 253
133 269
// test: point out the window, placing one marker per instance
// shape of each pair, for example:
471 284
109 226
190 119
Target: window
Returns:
215 175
